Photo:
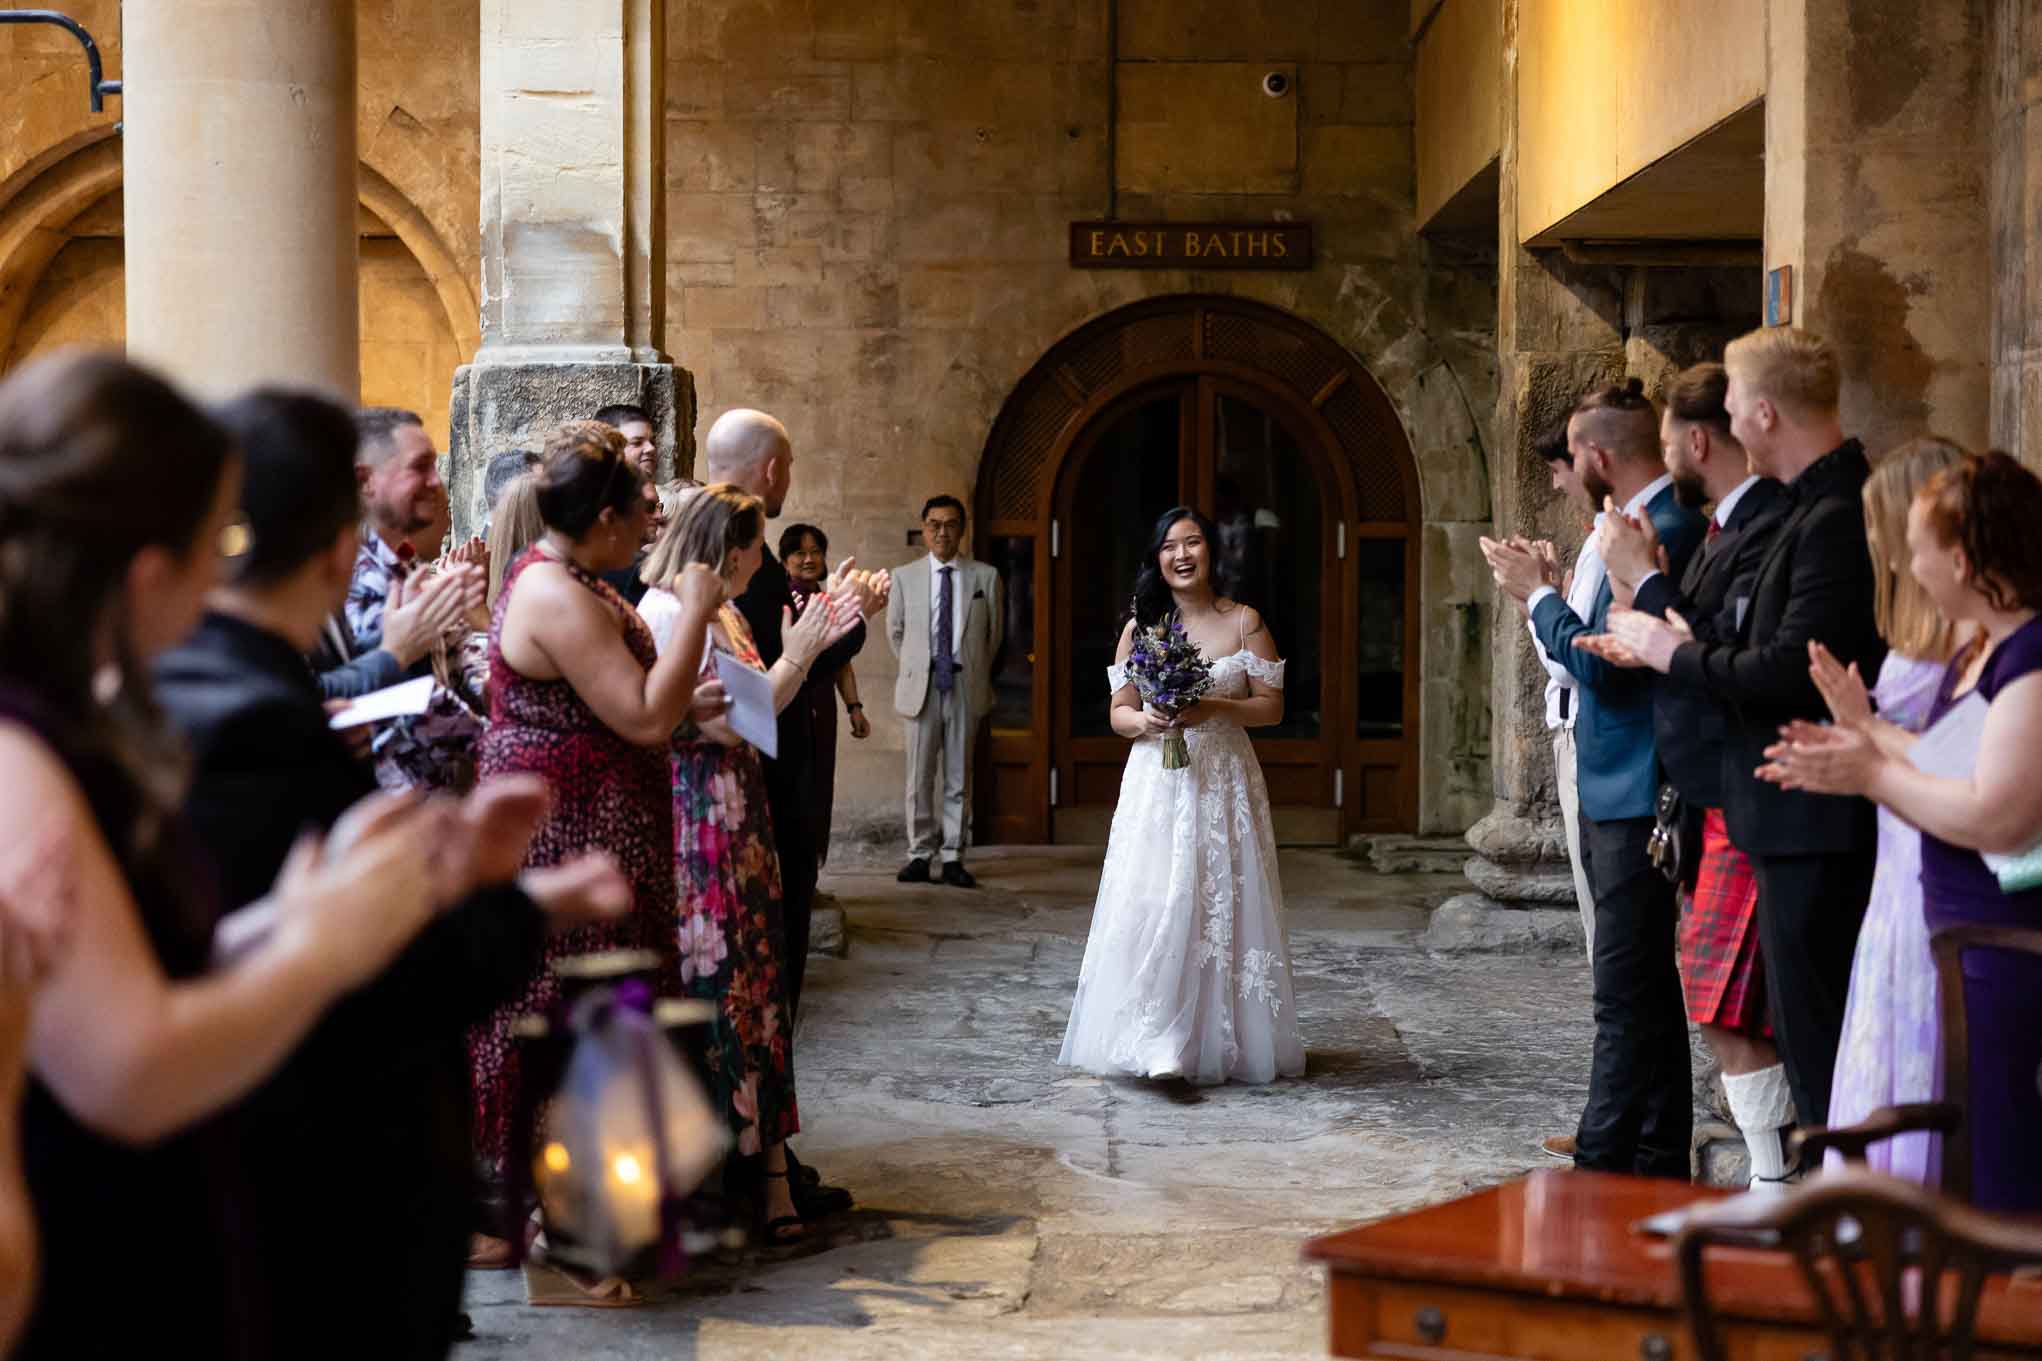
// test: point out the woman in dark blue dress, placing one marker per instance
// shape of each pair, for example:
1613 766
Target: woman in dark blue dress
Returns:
1973 546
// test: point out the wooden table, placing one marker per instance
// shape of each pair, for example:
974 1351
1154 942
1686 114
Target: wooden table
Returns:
1549 1268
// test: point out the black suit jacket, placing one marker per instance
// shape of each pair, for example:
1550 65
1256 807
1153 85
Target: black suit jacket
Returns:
1814 582
359 1145
626 581
790 779
1691 725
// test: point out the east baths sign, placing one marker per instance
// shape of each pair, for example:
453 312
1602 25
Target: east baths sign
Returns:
1191 245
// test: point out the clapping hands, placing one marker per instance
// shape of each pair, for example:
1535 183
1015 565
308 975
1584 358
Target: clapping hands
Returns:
1630 548
1521 566
868 590
418 613
1842 757
1638 641
1821 759
699 589
1843 688
823 620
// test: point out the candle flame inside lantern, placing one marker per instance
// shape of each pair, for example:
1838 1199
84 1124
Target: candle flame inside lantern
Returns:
627 1169
556 1157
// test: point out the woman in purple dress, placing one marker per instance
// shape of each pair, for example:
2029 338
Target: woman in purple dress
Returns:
1889 1048
1973 547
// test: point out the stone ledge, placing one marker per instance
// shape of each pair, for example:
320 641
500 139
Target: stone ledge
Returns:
1509 838
1414 854
1511 884
1473 923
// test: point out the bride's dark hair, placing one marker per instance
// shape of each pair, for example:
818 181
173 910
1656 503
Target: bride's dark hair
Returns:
1152 600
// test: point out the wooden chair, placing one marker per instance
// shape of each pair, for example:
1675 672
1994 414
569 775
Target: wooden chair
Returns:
1943 1117
1895 1271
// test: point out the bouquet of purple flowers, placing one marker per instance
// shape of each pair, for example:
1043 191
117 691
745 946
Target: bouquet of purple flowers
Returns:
1170 674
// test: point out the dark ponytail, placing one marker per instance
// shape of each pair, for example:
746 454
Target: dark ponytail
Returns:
1152 601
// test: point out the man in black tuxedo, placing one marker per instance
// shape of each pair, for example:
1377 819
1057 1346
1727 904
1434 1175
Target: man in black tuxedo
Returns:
1812 853
751 450
1722 967
359 1145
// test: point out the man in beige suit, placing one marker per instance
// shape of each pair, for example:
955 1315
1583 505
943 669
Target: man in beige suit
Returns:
944 624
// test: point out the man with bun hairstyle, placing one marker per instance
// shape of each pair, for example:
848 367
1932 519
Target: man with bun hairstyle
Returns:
1640 1115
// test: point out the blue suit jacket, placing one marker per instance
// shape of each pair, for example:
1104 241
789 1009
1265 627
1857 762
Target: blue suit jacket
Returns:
1617 757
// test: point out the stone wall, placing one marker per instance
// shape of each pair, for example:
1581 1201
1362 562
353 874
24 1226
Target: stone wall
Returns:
407 346
2014 68
1877 185
867 227
417 133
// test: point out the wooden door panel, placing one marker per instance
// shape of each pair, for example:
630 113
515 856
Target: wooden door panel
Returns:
1201 348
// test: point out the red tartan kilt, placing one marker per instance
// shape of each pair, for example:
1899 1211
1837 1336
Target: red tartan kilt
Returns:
1721 972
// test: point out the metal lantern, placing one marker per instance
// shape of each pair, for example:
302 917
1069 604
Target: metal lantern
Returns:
619 1130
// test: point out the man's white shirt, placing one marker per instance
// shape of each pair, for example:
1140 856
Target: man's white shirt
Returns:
1722 514
1589 574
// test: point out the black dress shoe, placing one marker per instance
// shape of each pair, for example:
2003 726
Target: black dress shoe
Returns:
957 876
914 872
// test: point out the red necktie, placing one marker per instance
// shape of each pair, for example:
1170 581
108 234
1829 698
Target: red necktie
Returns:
1715 528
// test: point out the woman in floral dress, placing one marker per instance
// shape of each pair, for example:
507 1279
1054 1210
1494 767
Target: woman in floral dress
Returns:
578 695
732 937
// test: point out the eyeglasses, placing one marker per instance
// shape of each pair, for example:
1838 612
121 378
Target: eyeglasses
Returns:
943 526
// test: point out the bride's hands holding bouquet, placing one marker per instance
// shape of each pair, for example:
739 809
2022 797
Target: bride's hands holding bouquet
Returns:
1152 723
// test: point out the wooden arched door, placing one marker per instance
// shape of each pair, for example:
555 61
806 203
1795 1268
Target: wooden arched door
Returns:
1267 426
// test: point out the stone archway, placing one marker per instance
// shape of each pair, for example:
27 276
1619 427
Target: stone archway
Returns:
1355 765
46 197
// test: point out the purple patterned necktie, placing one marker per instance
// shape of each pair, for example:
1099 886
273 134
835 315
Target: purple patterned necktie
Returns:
946 666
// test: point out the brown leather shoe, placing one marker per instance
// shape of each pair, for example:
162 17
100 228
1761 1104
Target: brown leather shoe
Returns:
1559 1146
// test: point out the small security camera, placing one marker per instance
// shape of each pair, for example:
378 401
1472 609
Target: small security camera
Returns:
1276 85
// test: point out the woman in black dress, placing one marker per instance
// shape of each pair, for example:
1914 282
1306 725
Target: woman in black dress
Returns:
117 501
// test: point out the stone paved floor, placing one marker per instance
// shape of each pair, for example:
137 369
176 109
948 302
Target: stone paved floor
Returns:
1011 1209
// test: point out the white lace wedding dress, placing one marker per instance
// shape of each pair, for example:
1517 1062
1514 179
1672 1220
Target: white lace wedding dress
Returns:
1187 972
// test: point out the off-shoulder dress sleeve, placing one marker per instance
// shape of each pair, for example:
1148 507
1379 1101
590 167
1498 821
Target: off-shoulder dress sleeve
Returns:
1262 669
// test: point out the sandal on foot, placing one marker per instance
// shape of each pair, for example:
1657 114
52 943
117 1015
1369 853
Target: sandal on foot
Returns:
552 1285
781 1230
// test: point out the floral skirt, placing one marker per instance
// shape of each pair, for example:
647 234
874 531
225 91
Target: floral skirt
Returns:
732 936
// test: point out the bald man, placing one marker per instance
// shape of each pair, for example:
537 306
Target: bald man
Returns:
752 450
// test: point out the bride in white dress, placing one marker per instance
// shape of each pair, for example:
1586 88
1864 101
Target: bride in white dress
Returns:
1187 972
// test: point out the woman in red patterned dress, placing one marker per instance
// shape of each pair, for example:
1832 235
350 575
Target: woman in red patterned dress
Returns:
732 934
578 695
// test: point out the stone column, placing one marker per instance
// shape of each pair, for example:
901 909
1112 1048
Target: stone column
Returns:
573 233
1559 332
2016 219
1877 174
239 161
